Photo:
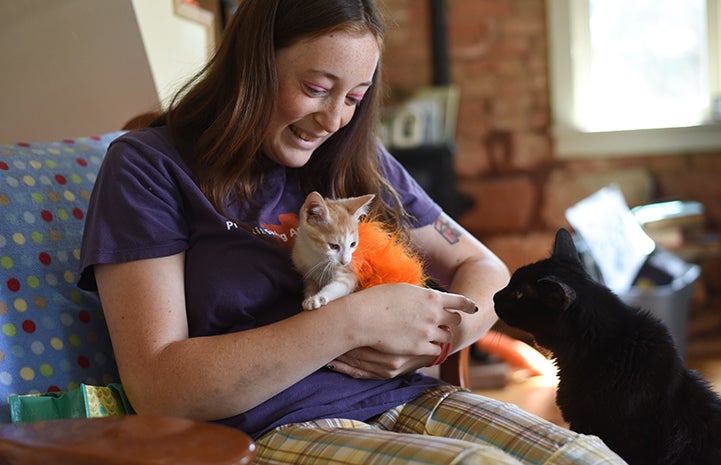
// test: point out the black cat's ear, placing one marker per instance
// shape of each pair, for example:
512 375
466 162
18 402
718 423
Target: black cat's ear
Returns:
564 248
555 293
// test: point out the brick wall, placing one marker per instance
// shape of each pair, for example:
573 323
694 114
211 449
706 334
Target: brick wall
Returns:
505 159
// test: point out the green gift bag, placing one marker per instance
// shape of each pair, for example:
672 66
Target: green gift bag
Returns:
85 401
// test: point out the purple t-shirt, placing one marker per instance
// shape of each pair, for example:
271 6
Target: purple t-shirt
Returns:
146 204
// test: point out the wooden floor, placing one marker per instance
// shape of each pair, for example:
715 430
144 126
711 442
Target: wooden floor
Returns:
537 394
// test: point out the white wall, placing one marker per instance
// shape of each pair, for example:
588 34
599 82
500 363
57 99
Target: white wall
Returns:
70 68
177 47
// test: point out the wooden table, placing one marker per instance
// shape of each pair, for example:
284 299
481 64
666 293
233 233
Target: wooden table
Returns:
124 440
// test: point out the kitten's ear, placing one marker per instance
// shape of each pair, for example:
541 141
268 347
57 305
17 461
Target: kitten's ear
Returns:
555 293
314 209
358 206
564 248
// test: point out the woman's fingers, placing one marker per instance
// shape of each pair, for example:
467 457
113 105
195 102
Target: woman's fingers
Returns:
460 303
368 363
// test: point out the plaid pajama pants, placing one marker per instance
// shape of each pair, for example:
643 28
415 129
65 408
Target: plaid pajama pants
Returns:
445 425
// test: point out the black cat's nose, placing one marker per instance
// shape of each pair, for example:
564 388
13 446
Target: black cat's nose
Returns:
497 296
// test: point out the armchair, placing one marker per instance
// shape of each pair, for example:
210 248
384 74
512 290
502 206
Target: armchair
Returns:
53 335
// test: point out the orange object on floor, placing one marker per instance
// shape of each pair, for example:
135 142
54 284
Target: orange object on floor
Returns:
516 353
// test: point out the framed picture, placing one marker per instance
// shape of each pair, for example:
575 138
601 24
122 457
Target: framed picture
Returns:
428 118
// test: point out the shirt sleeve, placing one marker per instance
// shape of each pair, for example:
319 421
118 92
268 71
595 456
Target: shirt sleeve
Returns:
416 201
136 209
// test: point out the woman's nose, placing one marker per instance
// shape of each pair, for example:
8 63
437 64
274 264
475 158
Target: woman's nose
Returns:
334 116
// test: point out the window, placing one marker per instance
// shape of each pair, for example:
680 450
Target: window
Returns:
635 77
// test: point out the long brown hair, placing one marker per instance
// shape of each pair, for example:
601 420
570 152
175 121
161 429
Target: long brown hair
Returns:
221 116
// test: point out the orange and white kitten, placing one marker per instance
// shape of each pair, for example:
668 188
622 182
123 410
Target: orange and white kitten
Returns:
323 249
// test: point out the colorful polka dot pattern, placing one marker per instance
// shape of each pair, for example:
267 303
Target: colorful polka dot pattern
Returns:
52 334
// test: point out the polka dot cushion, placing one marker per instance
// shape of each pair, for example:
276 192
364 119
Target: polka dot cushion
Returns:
52 334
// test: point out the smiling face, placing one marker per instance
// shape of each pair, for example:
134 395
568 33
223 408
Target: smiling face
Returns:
320 83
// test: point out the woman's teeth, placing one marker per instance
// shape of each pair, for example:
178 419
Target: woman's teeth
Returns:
300 134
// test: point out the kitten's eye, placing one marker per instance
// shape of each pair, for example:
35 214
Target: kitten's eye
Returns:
518 295
335 247
353 244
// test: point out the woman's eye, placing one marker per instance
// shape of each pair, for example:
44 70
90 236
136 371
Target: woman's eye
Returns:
314 90
354 99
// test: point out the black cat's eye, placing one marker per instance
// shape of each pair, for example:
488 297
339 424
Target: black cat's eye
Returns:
335 247
518 295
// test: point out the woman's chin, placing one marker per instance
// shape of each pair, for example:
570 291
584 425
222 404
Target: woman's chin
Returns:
292 158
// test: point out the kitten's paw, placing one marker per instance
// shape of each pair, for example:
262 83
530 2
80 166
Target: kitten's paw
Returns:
314 302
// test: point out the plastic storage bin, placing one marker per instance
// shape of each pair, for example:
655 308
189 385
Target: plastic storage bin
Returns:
663 286
669 302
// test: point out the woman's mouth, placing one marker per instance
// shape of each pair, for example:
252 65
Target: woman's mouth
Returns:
299 133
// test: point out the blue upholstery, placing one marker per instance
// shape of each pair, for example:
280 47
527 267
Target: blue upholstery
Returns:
52 334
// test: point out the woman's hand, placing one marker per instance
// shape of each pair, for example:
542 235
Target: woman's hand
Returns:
458 262
406 326
369 363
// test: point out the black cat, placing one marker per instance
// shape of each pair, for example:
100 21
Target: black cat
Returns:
620 376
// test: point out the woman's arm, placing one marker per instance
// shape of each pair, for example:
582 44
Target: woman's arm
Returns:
463 265
164 371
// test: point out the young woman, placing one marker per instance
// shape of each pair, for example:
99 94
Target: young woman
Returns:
188 241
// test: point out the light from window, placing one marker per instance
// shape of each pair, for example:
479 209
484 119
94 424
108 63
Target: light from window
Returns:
648 65
639 77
